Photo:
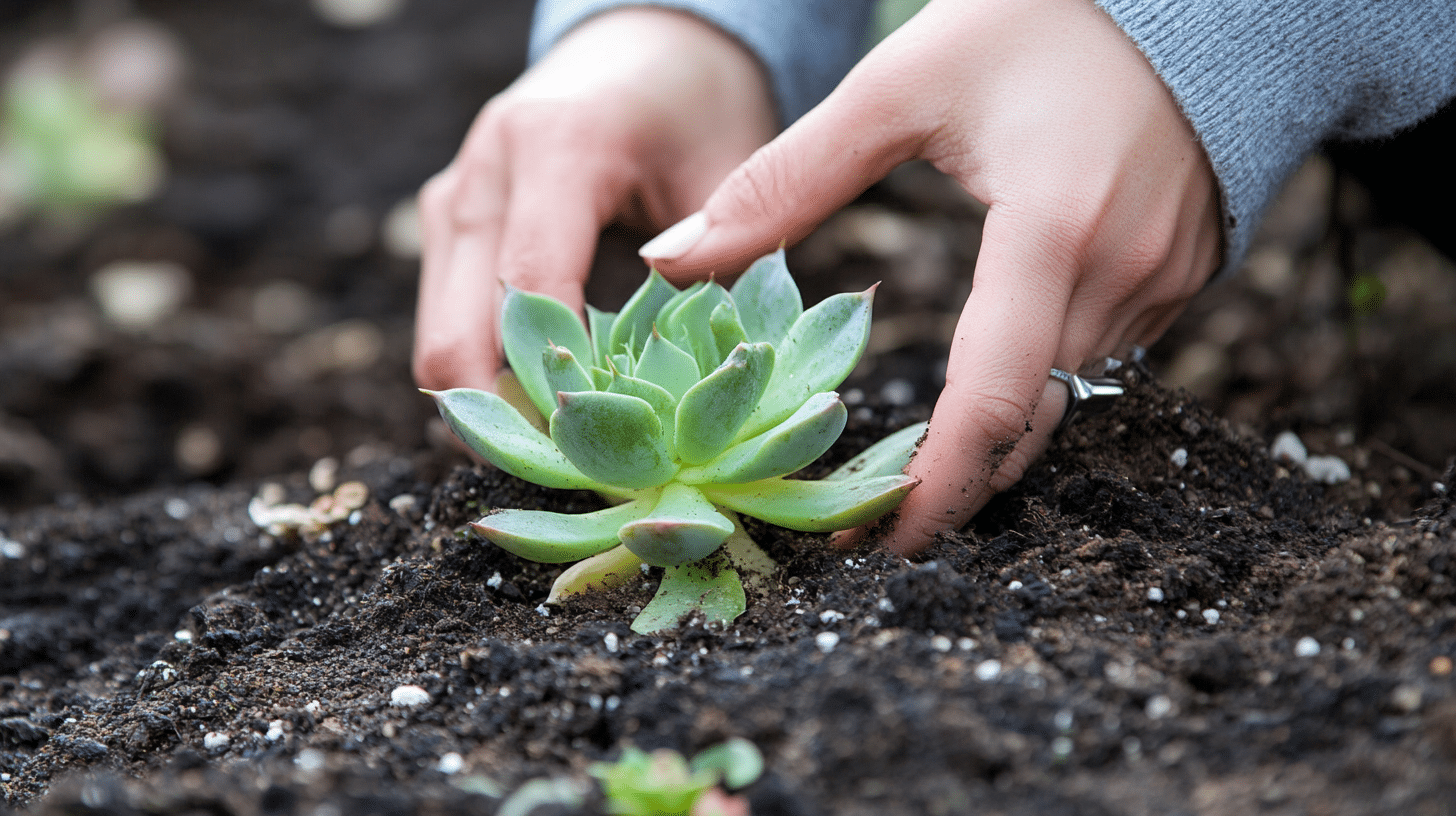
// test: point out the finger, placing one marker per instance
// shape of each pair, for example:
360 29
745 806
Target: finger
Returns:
557 209
997 411
790 184
460 212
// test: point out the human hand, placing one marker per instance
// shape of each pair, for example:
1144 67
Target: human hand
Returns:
1102 223
636 114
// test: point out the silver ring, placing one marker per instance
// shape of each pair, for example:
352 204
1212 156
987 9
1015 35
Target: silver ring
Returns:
1084 393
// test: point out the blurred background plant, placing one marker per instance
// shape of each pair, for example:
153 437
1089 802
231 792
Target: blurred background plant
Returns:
78 121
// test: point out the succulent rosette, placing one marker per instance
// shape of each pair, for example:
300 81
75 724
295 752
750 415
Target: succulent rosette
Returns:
685 408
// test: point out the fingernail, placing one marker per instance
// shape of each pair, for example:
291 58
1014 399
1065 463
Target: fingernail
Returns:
676 239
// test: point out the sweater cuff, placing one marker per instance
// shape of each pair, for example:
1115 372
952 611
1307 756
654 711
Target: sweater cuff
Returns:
806 46
1264 83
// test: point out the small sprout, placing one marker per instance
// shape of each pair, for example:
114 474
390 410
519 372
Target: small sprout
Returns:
685 409
663 783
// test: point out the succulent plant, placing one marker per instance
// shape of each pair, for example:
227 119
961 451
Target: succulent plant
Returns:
685 408
664 783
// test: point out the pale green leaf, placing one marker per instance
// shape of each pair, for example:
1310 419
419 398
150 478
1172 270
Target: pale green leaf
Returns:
727 329
613 438
600 323
634 323
711 412
738 761
708 588
886 457
668 366
814 507
782 449
682 527
498 432
688 326
819 351
563 372
556 538
663 403
603 571
768 300
528 323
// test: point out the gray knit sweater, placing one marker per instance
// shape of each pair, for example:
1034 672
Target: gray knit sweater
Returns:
1264 82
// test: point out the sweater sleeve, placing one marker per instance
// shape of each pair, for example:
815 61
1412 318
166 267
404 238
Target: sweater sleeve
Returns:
1264 83
806 46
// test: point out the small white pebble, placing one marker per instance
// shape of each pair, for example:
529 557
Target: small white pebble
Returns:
611 641
1327 469
1159 706
1062 746
829 616
1287 447
177 508
1181 614
216 740
897 392
988 670
310 760
408 696
941 643
182 636
1306 647
965 644
826 641
886 605
1014 585
1348 644
1155 594
1210 616
313 707
1064 720
275 731
450 763
403 504
543 611
494 581
1179 458
10 548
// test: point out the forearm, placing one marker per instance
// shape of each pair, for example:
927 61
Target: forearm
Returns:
806 46
1265 83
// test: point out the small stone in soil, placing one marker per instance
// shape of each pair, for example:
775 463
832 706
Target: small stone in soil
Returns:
408 696
1307 647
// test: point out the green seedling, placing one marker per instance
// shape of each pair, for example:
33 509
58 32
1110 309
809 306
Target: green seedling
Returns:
663 783
685 409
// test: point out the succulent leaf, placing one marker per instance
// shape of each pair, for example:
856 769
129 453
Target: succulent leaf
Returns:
708 586
615 439
667 365
813 507
623 363
498 432
634 323
682 527
605 570
727 329
782 449
768 299
819 351
563 372
601 378
555 538
663 403
600 325
886 457
688 327
711 412
528 323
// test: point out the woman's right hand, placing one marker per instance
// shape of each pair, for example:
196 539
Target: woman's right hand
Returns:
637 114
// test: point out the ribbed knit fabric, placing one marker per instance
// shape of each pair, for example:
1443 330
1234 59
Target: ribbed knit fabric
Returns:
807 46
1265 82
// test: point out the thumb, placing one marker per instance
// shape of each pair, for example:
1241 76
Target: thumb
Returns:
789 185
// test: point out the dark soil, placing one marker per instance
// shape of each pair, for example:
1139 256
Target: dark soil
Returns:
1117 634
